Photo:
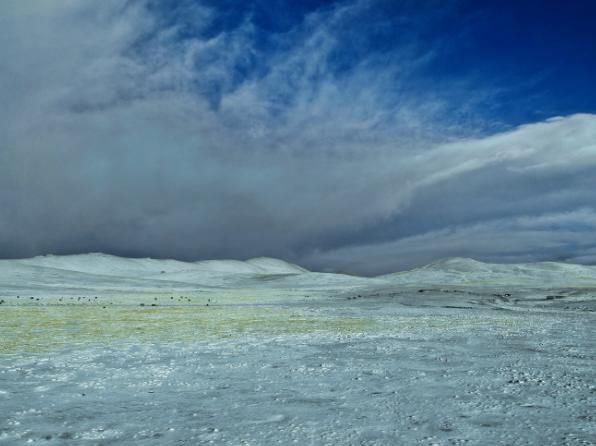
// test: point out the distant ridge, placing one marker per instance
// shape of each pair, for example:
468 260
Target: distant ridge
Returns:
107 264
467 271
96 271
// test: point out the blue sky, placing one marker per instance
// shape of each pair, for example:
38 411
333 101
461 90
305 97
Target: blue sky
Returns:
526 53
358 136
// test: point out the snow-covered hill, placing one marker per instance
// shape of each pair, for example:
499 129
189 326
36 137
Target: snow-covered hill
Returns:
98 272
104 264
464 271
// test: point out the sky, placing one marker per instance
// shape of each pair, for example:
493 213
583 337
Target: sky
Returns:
357 136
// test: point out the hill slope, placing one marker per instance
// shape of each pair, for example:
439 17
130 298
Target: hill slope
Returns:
90 273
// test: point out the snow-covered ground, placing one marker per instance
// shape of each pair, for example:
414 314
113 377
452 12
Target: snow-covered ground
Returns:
101 350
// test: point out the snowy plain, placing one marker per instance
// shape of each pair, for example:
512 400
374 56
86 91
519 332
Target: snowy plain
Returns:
102 350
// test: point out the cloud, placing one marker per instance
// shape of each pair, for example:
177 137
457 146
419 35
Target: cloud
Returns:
565 236
124 133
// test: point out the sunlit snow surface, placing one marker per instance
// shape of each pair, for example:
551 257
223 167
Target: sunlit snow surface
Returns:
99 351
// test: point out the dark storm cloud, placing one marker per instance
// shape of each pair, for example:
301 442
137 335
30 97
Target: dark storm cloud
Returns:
121 133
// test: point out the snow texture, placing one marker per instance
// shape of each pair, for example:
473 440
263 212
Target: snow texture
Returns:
100 350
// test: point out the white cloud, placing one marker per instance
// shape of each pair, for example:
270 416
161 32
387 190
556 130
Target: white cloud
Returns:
120 136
